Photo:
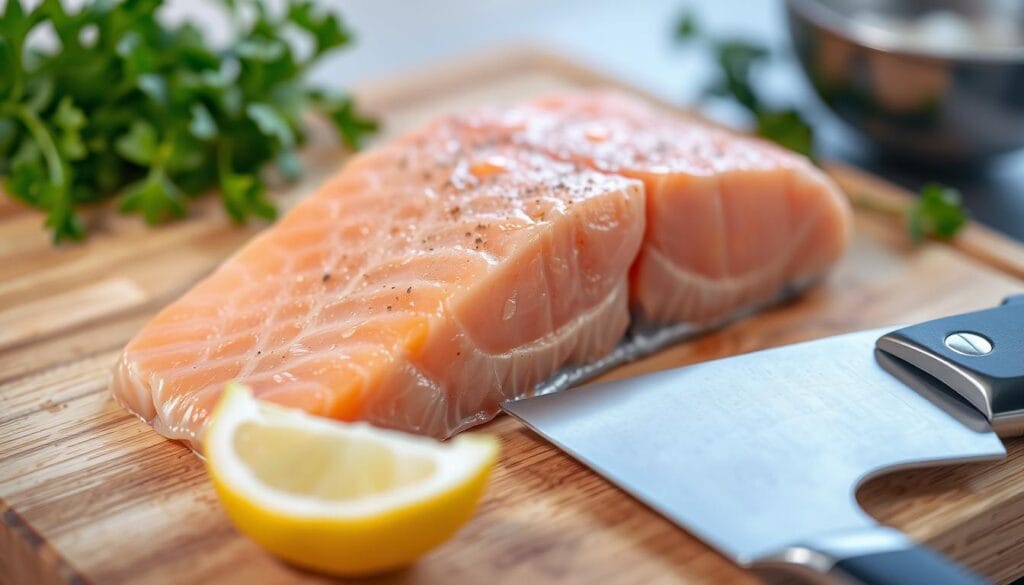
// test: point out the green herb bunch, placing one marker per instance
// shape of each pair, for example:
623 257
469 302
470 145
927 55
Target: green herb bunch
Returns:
938 213
153 115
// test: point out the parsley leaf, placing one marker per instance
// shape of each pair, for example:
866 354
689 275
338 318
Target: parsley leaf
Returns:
737 62
138 145
352 127
326 28
686 28
155 197
271 123
787 128
125 106
938 213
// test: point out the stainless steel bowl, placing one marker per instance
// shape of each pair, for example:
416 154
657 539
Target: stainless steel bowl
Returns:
920 96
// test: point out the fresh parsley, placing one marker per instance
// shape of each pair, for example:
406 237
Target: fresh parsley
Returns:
686 28
124 106
937 213
737 62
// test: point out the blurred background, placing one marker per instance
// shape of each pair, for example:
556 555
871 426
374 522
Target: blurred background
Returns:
635 41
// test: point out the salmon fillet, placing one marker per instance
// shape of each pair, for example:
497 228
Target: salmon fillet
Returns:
731 221
470 260
428 282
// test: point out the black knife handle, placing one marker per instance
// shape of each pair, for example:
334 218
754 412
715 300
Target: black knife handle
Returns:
872 555
978 355
917 565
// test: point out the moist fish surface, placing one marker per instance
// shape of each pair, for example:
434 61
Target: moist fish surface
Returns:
467 261
732 221
428 282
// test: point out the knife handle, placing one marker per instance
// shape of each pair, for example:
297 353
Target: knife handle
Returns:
916 565
873 555
978 355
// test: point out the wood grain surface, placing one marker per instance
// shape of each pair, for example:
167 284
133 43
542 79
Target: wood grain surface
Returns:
88 494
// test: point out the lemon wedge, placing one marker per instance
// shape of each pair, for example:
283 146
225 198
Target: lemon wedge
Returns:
344 498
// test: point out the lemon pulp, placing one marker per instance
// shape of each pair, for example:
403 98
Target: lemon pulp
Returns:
345 498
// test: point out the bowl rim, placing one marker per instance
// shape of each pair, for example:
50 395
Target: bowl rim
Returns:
823 16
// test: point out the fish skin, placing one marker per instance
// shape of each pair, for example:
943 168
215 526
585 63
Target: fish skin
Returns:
467 261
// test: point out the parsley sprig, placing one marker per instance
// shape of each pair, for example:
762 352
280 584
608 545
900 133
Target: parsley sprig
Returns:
937 213
738 61
127 107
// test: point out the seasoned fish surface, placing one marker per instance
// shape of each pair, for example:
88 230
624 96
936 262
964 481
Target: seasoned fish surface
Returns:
466 262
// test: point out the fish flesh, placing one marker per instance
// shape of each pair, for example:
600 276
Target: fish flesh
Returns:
731 221
418 289
466 262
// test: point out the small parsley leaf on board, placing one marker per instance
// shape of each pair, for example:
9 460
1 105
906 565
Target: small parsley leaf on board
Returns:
123 105
938 213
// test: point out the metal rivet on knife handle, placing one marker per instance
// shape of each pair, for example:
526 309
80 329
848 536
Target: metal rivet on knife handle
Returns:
969 344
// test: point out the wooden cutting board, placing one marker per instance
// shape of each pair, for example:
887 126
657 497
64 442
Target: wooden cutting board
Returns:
90 494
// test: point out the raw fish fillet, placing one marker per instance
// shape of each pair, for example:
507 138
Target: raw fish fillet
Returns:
429 281
731 221
470 260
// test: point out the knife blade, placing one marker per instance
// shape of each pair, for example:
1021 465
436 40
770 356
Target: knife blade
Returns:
760 455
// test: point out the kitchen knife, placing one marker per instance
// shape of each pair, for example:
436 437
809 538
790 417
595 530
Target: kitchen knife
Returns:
760 455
